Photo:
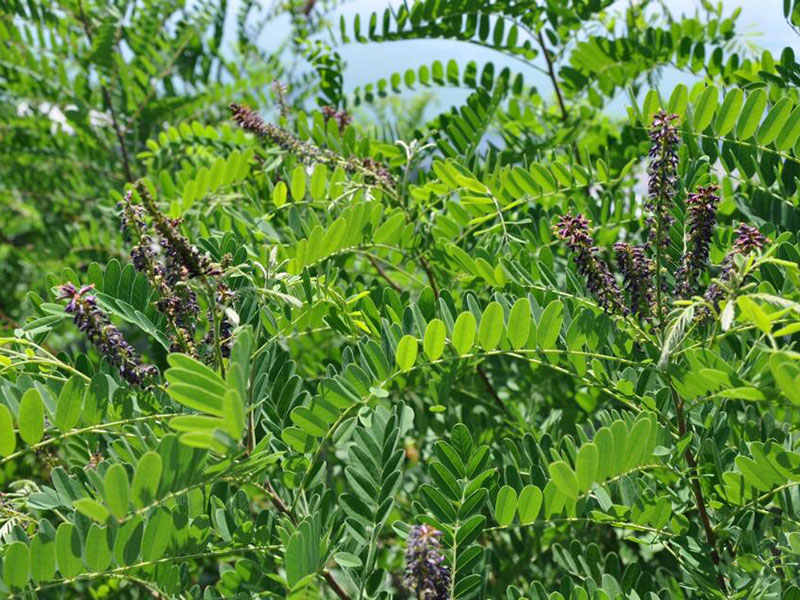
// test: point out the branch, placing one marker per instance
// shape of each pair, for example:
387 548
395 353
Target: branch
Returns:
282 508
107 97
429 272
698 491
383 274
490 388
551 72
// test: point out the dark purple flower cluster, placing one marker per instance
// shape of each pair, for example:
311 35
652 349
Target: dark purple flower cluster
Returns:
169 264
574 232
145 251
427 575
104 336
342 118
637 274
748 240
249 120
702 218
663 177
183 259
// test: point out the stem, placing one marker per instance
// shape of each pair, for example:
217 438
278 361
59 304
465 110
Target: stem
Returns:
99 428
282 508
551 72
383 274
697 490
211 295
121 571
431 279
490 388
107 97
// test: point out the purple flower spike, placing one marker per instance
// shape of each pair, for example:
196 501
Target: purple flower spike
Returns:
637 273
104 336
427 575
702 208
574 232
663 176
748 240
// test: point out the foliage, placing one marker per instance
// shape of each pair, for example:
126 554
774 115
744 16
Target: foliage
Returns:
522 348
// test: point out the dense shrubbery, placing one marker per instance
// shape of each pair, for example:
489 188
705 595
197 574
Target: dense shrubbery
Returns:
523 349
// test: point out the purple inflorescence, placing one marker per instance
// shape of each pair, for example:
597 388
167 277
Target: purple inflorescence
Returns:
574 232
167 274
637 274
663 176
702 218
106 338
427 575
251 121
341 117
748 240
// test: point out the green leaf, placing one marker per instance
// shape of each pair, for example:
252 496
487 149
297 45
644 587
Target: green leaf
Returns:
776 118
505 506
92 509
470 529
116 490
31 417
345 559
98 552
530 502
464 333
790 132
437 503
434 339
564 479
16 565
729 111
233 405
704 110
751 114
318 179
678 100
406 353
491 327
637 443
146 479
519 323
43 557
68 550
157 534
586 466
70 404
279 194
128 542
298 183
8 439
550 325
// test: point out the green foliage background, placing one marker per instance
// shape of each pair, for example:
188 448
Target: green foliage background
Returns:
392 333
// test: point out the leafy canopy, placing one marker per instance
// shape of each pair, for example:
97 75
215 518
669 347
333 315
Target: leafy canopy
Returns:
523 348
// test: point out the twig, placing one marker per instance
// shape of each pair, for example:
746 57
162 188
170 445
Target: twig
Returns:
383 274
553 78
431 279
697 490
490 388
285 510
107 96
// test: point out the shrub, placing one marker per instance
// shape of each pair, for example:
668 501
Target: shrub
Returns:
529 351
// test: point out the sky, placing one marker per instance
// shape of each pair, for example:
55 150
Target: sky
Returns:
761 22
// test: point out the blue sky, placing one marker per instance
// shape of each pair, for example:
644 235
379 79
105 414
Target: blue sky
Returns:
761 23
